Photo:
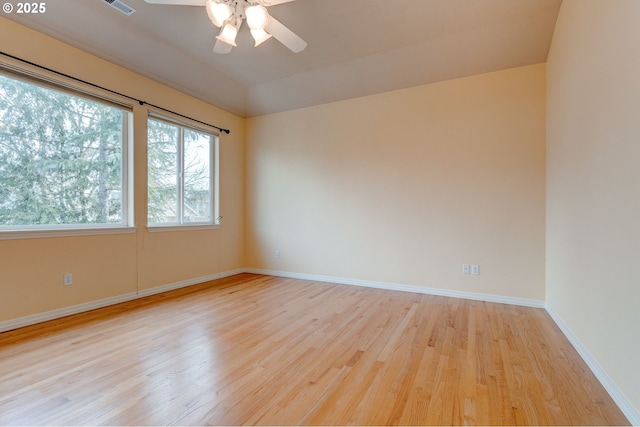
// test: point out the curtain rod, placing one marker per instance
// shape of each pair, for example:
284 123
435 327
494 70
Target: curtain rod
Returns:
139 101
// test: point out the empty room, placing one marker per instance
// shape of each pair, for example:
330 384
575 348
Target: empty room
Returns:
319 212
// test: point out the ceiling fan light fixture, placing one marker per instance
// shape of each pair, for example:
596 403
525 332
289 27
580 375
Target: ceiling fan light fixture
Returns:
257 16
218 12
260 36
228 16
228 34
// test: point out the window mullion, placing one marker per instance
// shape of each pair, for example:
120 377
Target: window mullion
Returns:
124 170
180 209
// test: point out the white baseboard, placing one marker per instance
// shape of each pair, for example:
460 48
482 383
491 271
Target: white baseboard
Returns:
92 305
404 288
627 408
183 284
63 312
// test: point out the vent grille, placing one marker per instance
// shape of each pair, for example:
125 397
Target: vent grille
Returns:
121 6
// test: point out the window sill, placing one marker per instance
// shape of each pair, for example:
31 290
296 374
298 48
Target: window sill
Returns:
68 232
171 228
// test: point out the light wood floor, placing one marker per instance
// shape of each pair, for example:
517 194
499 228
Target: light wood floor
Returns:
262 350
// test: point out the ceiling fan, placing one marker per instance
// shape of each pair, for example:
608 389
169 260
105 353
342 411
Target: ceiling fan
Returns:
229 14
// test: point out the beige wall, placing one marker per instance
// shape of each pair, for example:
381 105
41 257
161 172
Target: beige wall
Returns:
31 270
593 203
406 186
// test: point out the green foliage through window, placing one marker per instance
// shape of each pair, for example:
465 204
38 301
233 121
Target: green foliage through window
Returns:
180 175
61 158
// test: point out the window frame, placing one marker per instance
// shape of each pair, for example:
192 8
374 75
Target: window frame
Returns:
13 69
214 174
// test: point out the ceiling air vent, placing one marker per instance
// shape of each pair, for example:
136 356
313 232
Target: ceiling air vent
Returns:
122 7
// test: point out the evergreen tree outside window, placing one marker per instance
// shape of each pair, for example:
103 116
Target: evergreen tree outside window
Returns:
181 174
63 158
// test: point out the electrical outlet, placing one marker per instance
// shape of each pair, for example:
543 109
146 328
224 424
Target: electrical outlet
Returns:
465 268
68 279
475 269
277 253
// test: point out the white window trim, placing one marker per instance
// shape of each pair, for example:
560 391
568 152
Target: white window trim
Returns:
189 227
61 83
214 179
168 117
66 232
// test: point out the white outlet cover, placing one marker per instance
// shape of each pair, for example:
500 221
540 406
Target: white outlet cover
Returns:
475 269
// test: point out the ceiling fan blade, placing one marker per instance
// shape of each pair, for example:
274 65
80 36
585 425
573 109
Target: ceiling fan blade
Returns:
179 2
222 47
285 35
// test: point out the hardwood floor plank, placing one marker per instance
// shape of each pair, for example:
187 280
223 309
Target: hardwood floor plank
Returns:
259 350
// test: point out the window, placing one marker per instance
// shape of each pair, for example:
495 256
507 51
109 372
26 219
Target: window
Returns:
63 158
182 174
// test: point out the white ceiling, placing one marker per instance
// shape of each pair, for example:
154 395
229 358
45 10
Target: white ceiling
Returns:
356 47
